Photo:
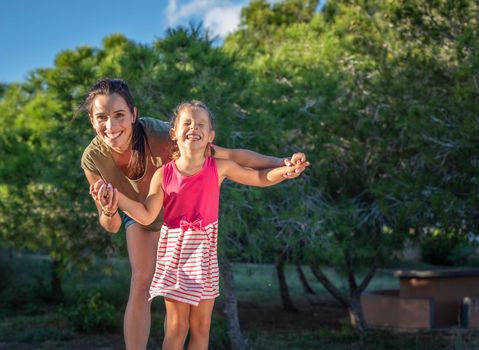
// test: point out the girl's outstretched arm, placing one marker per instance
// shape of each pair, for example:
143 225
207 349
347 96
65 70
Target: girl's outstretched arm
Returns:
261 178
145 213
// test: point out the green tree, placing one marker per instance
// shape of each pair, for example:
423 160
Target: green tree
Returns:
380 118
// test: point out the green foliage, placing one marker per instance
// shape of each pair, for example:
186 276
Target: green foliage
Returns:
219 338
93 314
440 247
34 330
381 96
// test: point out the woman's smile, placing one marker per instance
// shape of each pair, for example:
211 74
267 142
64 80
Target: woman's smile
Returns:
113 136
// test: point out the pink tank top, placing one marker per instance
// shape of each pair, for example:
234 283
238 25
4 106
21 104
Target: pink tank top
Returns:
191 198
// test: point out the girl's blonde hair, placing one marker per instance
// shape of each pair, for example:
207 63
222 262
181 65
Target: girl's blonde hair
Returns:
191 105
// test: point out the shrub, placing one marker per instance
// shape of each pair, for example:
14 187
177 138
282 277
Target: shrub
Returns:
447 248
93 313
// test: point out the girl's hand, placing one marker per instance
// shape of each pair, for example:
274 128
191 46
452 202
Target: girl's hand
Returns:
298 163
95 188
108 199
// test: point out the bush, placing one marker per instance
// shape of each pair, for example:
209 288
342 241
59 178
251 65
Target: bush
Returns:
443 248
5 270
219 338
93 313
35 329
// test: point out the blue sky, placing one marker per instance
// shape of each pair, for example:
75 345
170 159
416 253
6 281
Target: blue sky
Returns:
32 32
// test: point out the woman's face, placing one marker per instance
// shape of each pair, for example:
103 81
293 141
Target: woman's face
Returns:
113 121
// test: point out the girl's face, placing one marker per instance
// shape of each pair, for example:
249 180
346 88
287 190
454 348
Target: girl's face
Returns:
112 120
193 129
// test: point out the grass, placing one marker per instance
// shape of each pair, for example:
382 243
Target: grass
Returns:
97 297
326 339
258 283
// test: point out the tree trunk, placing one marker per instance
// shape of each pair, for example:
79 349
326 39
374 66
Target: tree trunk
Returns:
356 315
283 286
355 308
238 341
352 303
304 282
56 283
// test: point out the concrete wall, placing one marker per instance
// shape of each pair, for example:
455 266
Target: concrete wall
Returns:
447 293
387 308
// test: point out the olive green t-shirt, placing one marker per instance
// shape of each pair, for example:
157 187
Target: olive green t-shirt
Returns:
98 159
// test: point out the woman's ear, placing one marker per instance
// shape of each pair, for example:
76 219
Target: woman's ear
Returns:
172 134
135 115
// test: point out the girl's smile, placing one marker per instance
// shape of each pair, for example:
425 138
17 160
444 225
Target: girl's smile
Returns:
193 137
193 130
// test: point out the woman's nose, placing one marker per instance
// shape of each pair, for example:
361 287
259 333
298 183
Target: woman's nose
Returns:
109 123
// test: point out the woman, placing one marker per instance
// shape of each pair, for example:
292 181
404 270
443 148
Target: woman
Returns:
126 152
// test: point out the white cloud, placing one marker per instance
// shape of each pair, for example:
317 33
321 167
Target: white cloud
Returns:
221 17
223 20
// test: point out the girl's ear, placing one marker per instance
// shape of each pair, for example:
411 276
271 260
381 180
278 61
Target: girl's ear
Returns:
211 136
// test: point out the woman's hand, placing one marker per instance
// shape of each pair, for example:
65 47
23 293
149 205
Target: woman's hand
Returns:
298 163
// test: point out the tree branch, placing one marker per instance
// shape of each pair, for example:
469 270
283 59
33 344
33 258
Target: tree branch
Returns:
353 286
331 288
369 275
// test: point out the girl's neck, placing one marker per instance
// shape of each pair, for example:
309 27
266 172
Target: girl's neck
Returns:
190 164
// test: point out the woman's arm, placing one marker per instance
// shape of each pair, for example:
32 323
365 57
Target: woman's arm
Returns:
109 222
145 213
247 176
250 159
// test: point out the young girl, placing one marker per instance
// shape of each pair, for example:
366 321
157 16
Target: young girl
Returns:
188 189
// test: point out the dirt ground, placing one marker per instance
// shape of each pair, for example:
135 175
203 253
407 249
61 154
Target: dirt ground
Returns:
313 312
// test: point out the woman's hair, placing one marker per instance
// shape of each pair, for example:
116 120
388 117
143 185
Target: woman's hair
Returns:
191 105
139 142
